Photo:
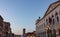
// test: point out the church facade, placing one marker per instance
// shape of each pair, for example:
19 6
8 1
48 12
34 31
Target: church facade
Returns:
49 24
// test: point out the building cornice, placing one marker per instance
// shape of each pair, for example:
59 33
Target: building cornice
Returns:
50 10
52 7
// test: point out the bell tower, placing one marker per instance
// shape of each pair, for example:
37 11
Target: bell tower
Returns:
24 30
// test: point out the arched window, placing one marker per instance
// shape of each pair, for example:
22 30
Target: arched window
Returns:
50 20
52 16
57 18
56 14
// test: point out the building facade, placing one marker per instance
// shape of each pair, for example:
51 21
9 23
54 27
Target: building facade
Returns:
1 26
49 24
4 27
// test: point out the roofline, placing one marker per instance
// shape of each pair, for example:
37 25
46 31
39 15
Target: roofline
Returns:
1 17
50 6
50 11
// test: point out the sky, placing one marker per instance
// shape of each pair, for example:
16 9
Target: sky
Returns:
23 13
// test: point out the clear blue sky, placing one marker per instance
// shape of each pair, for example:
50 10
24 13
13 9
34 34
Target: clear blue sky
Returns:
23 13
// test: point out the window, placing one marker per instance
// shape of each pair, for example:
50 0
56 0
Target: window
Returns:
52 16
53 21
56 14
1 24
46 21
44 24
0 29
57 19
50 20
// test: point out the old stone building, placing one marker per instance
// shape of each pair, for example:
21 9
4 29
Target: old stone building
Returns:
4 27
49 24
1 26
